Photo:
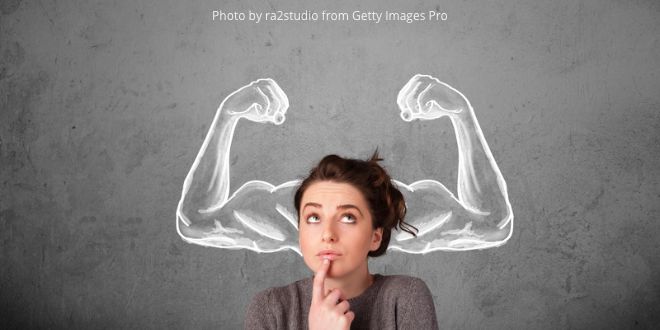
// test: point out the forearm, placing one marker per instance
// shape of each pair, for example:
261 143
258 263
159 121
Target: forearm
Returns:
481 187
207 185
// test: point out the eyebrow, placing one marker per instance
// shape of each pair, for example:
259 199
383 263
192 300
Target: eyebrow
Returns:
340 207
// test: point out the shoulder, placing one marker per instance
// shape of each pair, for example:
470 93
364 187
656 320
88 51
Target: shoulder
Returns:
284 294
262 297
406 291
279 307
404 284
414 303
259 305
258 314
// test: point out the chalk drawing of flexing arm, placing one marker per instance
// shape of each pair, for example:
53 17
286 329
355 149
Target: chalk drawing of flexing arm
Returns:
481 217
260 216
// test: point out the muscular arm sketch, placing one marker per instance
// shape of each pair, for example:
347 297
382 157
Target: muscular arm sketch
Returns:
260 216
481 216
257 216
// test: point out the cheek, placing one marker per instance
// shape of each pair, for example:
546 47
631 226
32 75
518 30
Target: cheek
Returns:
306 248
357 241
305 238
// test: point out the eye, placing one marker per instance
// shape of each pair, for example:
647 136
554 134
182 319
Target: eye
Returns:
313 219
348 218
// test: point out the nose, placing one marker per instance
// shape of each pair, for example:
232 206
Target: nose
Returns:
329 235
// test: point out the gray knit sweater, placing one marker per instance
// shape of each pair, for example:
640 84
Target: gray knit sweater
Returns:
391 302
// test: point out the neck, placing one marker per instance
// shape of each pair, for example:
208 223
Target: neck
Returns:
351 285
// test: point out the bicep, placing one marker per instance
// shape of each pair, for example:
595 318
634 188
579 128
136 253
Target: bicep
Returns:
432 210
430 197
258 216
443 222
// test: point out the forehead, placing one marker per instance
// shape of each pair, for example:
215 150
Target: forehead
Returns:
328 192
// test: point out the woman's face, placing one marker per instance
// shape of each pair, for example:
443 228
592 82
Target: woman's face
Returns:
335 223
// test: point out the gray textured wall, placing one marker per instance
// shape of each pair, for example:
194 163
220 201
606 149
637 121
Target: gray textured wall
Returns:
104 105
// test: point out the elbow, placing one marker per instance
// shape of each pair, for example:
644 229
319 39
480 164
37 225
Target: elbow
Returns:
500 219
188 229
183 226
501 230
494 227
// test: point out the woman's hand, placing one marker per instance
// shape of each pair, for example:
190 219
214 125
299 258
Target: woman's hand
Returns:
425 97
260 101
325 312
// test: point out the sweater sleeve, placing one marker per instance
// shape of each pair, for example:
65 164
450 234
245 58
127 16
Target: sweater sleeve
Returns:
415 308
258 315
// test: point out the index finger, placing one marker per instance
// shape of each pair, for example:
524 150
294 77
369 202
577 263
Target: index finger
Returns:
319 279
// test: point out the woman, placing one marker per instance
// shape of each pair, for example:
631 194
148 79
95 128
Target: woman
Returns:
346 209
259 216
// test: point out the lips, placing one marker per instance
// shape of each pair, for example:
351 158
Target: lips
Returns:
328 254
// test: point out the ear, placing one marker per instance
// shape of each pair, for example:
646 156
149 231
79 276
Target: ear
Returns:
376 239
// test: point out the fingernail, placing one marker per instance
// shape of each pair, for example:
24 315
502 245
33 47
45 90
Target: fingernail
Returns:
326 261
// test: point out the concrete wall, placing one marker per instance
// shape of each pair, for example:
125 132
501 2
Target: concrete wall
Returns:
104 105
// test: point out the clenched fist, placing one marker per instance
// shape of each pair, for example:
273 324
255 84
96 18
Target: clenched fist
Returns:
260 101
425 97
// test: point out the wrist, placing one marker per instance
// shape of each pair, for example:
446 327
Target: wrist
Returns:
464 116
229 116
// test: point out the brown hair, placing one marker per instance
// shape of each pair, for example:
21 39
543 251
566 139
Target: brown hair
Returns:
385 201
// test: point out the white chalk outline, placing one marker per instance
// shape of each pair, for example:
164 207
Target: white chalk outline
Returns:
481 217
